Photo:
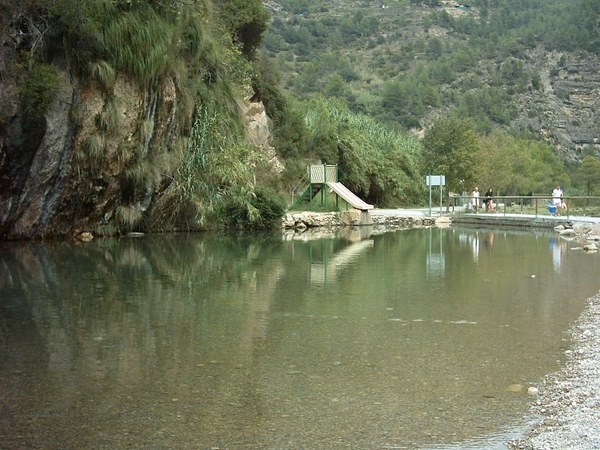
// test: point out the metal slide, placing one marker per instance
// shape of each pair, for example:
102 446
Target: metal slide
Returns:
347 195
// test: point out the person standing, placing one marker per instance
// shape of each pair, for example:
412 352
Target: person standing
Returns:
489 204
475 198
557 197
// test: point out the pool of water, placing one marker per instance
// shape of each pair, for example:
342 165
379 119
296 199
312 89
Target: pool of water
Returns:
421 338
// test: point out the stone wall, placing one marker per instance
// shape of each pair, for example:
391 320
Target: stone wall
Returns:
304 220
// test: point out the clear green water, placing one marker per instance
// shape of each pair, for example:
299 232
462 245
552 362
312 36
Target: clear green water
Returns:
424 338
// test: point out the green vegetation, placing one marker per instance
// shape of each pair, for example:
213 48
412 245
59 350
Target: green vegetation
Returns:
345 86
517 166
451 146
459 74
203 170
587 176
139 41
218 153
378 163
400 59
270 209
39 90
246 20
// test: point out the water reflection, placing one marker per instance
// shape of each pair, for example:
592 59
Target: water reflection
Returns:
405 339
435 256
557 246
327 267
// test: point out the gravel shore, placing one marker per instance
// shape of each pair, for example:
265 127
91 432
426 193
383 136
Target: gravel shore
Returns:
568 402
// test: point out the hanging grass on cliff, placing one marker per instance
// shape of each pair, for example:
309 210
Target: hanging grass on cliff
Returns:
214 178
176 156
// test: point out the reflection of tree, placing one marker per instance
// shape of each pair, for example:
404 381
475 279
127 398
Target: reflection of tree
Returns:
489 240
113 315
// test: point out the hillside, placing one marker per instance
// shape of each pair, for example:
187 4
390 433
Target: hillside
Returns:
524 65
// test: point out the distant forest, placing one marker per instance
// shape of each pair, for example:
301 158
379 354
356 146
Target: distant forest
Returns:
396 60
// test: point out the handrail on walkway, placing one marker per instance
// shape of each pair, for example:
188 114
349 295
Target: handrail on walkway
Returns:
527 204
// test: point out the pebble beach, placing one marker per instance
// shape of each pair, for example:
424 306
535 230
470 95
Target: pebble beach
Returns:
568 402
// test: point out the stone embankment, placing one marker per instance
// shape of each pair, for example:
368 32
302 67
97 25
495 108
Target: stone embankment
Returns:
301 221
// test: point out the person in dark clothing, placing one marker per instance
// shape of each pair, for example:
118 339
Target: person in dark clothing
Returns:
489 204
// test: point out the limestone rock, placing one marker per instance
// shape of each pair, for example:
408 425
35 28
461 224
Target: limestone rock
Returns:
350 217
443 221
567 232
85 236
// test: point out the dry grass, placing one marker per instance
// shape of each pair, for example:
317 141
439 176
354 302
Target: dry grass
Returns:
128 215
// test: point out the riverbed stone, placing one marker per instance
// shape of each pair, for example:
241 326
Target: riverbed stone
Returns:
566 232
355 217
443 221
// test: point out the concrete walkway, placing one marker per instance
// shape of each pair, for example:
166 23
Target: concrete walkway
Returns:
487 219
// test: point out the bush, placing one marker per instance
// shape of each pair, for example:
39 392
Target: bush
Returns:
39 90
246 21
265 211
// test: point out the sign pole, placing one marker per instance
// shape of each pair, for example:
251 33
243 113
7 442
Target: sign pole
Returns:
435 180
429 199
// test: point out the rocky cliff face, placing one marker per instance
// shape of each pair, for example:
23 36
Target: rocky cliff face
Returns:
99 152
50 182
260 131
566 110
34 167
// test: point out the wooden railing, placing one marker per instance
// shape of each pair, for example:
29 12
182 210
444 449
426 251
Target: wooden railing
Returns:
323 173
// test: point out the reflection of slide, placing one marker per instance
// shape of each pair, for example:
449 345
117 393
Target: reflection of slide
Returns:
320 272
349 196
345 256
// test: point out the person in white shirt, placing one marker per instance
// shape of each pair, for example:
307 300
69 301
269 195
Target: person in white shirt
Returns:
557 197
475 199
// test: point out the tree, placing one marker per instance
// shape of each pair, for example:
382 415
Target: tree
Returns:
450 148
289 131
404 101
503 163
545 169
246 20
335 86
588 173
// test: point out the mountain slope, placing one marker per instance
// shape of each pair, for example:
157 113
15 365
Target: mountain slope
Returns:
525 65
